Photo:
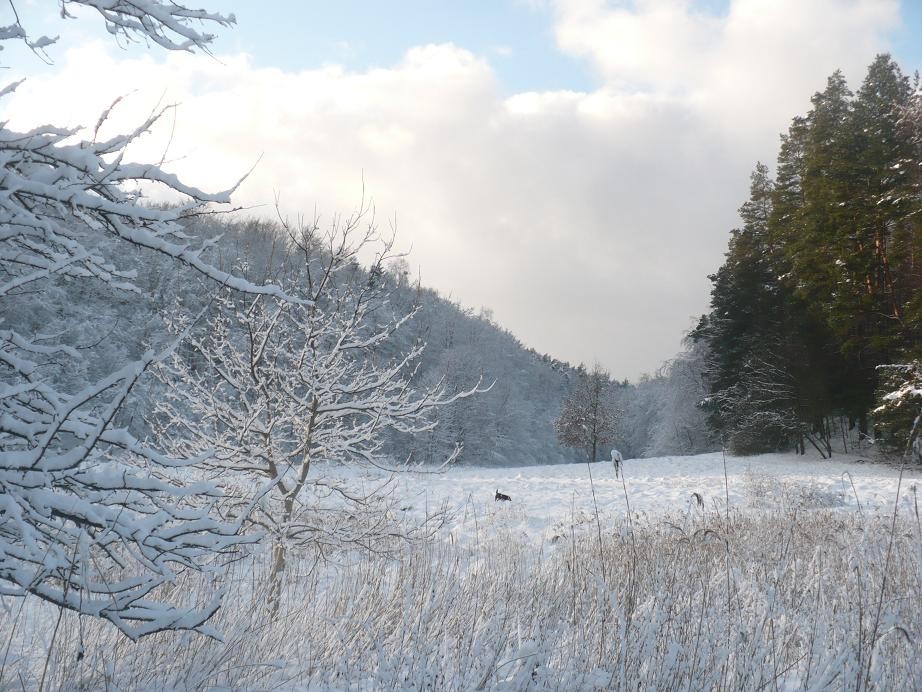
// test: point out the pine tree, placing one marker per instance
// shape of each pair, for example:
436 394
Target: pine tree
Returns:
911 257
822 284
767 366
743 323
812 235
887 207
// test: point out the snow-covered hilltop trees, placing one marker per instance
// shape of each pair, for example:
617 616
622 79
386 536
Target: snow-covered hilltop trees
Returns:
92 518
510 424
513 423
822 283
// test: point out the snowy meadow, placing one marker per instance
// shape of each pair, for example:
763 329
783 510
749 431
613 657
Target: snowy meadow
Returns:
241 453
805 581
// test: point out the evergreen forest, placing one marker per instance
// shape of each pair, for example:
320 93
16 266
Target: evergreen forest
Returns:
816 313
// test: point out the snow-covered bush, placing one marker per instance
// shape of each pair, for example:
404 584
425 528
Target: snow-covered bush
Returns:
766 491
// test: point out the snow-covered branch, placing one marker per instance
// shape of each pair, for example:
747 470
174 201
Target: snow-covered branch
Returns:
91 518
166 23
899 413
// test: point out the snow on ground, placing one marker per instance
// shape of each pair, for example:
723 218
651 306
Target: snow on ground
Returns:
491 606
546 498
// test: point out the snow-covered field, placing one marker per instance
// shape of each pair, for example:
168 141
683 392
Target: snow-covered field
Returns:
805 583
544 496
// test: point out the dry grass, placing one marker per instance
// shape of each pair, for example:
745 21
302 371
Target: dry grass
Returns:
773 599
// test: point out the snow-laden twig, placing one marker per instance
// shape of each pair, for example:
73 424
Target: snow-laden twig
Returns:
168 24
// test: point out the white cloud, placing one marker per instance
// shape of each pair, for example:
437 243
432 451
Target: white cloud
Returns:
588 221
750 70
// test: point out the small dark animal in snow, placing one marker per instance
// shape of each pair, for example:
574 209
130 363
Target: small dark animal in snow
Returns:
502 497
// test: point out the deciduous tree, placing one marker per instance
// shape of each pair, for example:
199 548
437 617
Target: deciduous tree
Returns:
588 418
285 386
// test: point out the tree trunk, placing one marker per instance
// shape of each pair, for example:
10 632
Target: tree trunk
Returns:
280 554
816 446
279 563
913 436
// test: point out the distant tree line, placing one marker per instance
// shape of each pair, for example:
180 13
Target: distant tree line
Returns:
819 293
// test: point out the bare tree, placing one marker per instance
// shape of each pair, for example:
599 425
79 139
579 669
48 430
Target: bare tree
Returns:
589 418
287 385
679 422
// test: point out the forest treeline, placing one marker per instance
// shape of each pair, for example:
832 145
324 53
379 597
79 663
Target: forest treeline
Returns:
816 314
510 423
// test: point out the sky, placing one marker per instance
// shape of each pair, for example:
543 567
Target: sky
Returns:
573 165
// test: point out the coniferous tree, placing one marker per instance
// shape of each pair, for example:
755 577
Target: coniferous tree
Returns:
821 286
886 206
756 397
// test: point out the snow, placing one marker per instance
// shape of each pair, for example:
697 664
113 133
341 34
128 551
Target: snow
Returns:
512 597
544 497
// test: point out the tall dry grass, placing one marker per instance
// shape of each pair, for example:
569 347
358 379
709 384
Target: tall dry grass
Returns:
699 599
